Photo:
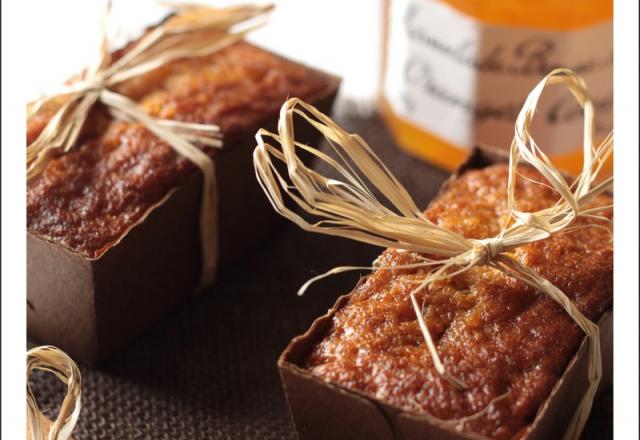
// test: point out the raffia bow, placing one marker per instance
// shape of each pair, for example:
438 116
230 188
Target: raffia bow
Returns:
193 31
348 208
55 361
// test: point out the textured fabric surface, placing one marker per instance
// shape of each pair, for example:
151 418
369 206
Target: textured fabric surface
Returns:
208 370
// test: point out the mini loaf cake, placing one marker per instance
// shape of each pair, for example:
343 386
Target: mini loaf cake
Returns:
507 342
87 199
113 226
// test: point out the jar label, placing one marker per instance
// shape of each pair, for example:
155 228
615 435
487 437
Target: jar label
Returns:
465 81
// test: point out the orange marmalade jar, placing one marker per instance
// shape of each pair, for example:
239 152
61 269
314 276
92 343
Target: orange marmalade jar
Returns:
456 73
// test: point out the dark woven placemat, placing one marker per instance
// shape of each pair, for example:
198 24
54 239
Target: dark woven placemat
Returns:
208 371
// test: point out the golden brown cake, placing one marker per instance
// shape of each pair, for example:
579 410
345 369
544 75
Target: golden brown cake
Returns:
498 335
87 199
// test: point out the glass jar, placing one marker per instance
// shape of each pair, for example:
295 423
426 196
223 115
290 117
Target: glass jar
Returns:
456 73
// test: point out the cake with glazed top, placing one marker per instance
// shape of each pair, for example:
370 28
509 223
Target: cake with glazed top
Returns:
507 342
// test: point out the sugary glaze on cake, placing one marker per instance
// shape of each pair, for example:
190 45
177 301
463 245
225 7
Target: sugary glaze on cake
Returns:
86 199
495 333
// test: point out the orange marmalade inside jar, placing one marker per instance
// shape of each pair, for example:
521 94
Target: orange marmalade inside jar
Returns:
456 73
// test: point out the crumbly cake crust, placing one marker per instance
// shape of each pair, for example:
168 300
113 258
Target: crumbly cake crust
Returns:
87 199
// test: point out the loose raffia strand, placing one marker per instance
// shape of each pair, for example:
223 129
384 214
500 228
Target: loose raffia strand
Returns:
193 31
346 207
55 361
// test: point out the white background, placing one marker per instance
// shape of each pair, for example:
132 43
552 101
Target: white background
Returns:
44 41
340 36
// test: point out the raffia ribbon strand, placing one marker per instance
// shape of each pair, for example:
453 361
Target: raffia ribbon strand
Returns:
193 31
348 208
55 361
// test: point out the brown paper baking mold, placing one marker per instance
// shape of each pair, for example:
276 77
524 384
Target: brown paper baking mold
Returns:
91 307
324 410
